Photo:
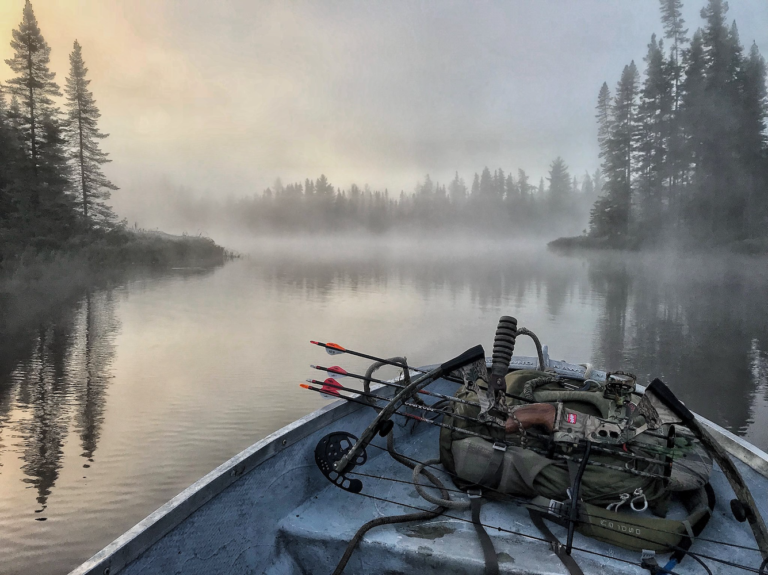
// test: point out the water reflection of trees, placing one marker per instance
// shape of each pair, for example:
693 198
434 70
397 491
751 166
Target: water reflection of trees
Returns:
697 324
58 384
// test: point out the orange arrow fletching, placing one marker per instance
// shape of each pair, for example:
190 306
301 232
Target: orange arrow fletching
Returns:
334 348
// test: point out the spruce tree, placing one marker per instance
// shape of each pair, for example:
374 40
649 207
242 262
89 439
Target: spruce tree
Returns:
7 157
83 138
753 140
654 112
34 84
523 184
675 31
693 109
559 184
618 162
457 190
718 197
603 116
486 183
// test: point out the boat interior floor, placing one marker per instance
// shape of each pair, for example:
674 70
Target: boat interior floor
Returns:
313 537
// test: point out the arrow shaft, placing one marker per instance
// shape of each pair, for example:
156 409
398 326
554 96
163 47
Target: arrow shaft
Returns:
381 360
488 437
397 385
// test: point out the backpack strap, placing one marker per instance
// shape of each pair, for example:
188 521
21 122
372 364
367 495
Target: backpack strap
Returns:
489 553
557 547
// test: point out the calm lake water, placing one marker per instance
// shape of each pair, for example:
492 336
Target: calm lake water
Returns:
124 397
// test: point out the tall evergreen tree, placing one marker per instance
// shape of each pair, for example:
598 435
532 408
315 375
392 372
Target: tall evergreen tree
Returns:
83 142
654 113
617 166
486 183
718 176
559 184
34 84
753 140
523 184
675 31
457 190
603 116
693 111
476 186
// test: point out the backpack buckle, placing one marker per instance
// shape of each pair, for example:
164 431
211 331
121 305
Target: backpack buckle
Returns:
639 496
623 498
475 493
555 508
499 446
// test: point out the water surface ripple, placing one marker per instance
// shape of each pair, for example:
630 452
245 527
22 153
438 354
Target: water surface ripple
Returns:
122 398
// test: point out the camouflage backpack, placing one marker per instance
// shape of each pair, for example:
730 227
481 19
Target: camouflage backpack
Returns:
613 499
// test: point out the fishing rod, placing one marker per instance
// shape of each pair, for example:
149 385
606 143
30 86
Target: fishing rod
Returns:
483 436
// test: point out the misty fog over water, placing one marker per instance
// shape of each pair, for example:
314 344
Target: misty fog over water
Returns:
131 392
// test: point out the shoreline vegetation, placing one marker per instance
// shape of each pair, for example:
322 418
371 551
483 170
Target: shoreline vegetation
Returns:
58 234
683 148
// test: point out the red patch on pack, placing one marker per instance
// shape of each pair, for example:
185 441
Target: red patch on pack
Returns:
571 418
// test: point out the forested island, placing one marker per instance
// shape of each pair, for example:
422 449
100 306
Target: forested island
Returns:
683 148
54 215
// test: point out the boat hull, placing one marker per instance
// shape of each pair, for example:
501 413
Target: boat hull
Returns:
270 510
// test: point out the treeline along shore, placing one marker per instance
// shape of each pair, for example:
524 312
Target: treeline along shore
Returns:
55 222
683 146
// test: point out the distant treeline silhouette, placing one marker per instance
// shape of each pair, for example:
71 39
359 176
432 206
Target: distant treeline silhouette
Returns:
684 148
494 202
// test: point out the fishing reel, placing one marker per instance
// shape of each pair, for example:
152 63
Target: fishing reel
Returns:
331 449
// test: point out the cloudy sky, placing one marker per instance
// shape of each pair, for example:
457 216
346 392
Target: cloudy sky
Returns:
223 97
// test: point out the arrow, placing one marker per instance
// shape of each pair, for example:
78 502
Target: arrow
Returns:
336 349
483 436
341 372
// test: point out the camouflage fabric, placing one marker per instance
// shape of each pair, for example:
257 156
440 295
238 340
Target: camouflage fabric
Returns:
527 473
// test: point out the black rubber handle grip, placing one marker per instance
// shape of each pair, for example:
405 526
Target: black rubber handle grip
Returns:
504 345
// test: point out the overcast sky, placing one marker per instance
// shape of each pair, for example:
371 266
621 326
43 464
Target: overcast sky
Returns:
224 96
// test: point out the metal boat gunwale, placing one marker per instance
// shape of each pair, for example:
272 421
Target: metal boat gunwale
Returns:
130 545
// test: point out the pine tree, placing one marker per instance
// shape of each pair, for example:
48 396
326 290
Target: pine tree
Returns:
457 190
559 184
675 31
486 184
603 118
654 112
7 160
719 198
693 109
476 186
34 83
753 140
83 143
598 182
523 184
617 165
